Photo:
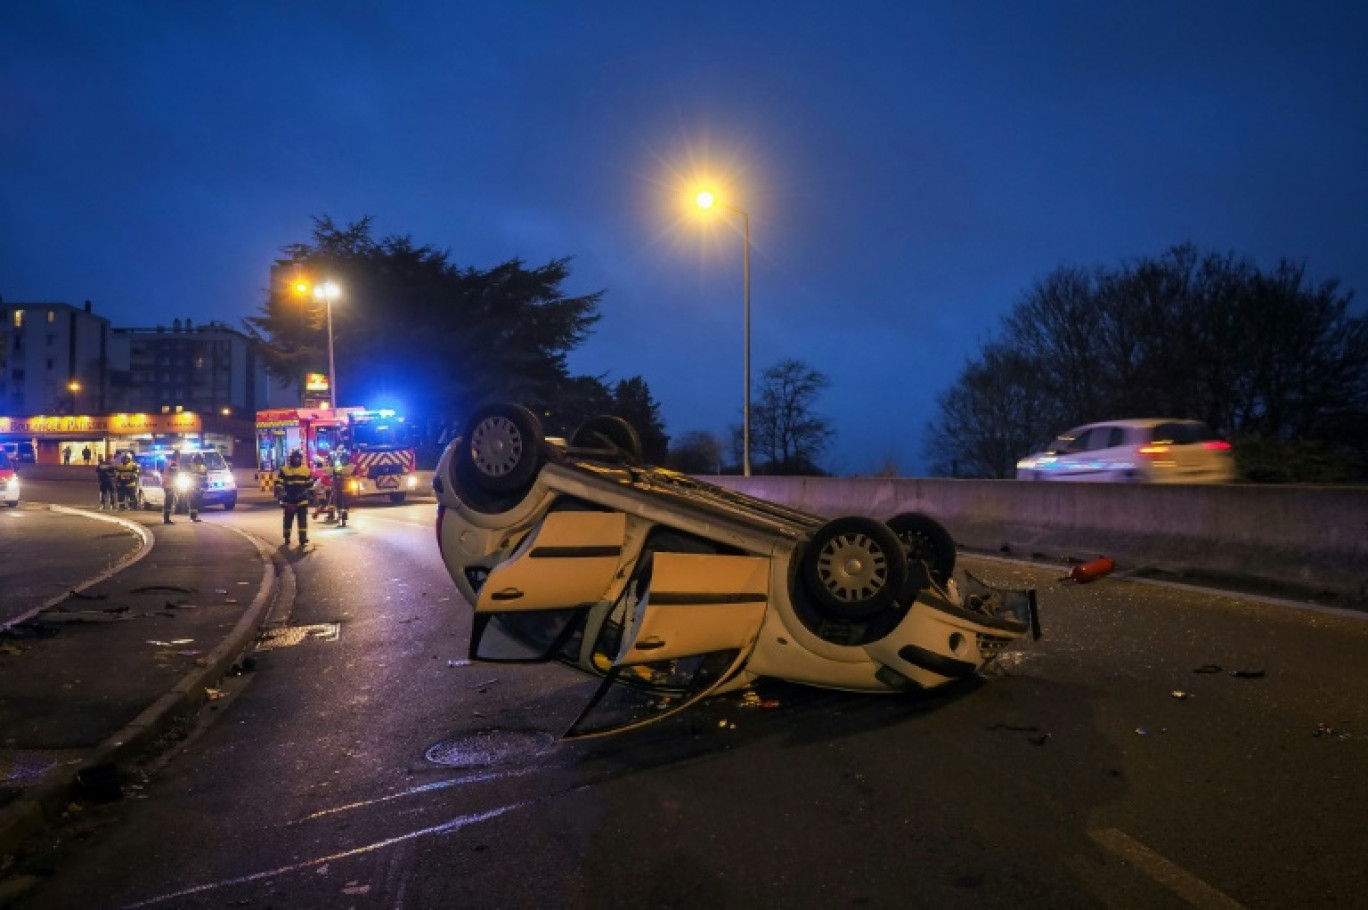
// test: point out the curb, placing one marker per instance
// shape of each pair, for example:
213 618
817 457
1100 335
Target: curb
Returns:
45 801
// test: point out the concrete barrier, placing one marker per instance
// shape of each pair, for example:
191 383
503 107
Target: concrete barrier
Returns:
1312 539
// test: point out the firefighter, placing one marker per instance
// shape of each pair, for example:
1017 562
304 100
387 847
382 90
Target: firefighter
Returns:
104 473
170 494
199 479
343 471
126 482
293 484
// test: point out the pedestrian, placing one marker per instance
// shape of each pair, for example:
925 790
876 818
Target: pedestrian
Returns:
66 455
104 473
199 479
293 484
170 489
85 454
126 482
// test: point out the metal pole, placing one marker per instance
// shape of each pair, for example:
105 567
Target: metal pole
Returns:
745 413
332 364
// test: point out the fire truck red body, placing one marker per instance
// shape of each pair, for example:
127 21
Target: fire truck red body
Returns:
374 442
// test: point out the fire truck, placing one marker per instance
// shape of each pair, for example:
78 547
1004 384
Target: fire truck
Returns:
374 442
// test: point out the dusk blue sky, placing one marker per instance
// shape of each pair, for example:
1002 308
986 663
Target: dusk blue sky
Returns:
910 168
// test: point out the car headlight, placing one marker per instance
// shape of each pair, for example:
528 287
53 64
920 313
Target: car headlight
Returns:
182 482
353 486
12 486
412 481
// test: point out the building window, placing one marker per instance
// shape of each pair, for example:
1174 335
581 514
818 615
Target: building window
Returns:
49 363
52 315
52 339
18 319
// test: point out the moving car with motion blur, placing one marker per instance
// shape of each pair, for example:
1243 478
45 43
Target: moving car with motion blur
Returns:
671 590
1146 450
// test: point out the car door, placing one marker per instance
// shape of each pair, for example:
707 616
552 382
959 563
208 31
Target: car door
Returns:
532 604
689 627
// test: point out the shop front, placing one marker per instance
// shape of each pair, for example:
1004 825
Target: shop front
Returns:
66 439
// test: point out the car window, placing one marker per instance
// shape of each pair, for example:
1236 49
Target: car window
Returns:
214 461
1187 433
4 461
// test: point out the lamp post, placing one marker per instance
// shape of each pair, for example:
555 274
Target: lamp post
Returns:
328 291
706 200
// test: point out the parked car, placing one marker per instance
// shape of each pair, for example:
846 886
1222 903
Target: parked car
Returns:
220 487
25 454
671 590
9 480
1145 450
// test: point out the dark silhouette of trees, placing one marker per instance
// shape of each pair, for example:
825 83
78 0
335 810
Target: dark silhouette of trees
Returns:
786 434
413 328
1273 360
696 452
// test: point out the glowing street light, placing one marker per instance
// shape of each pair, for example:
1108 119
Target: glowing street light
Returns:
327 292
706 200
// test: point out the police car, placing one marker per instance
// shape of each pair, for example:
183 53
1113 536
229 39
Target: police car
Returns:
671 590
220 487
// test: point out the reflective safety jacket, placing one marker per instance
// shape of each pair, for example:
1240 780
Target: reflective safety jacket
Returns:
292 484
126 474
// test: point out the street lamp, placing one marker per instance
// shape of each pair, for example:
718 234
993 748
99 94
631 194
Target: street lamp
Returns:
706 200
74 387
328 291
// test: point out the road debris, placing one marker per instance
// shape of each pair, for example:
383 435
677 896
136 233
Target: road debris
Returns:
1247 674
1086 572
1207 668
1181 695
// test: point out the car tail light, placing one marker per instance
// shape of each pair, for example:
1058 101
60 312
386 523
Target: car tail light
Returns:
1217 444
1153 450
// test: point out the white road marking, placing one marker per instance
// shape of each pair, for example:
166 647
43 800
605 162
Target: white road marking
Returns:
1172 876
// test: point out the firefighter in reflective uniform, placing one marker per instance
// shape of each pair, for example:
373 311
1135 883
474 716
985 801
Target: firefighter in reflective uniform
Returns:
126 482
293 483
342 473
170 491
104 473
199 479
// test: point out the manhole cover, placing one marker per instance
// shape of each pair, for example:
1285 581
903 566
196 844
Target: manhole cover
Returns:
490 747
288 636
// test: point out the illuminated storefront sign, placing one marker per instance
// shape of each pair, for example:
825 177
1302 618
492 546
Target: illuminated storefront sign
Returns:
113 424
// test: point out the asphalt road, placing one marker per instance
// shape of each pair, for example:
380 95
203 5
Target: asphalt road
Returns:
1159 747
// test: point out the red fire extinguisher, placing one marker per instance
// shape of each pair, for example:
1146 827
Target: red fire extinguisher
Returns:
1085 572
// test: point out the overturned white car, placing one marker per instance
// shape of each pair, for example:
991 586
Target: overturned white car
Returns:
673 590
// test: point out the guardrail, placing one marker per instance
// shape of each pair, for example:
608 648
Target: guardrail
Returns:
1311 539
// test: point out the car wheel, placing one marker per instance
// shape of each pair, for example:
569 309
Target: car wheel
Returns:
397 498
854 567
608 432
925 540
501 449
230 504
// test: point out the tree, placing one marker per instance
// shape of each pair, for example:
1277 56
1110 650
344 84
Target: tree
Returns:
696 452
632 402
1267 357
414 328
784 430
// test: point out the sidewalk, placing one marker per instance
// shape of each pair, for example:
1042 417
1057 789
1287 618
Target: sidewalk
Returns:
99 675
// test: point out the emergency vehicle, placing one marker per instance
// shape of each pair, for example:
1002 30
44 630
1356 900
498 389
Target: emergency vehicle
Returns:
373 441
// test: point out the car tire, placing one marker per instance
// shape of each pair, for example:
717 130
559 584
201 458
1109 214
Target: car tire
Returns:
608 432
925 540
853 568
501 449
398 498
230 503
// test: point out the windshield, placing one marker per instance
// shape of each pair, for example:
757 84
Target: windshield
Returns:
376 434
